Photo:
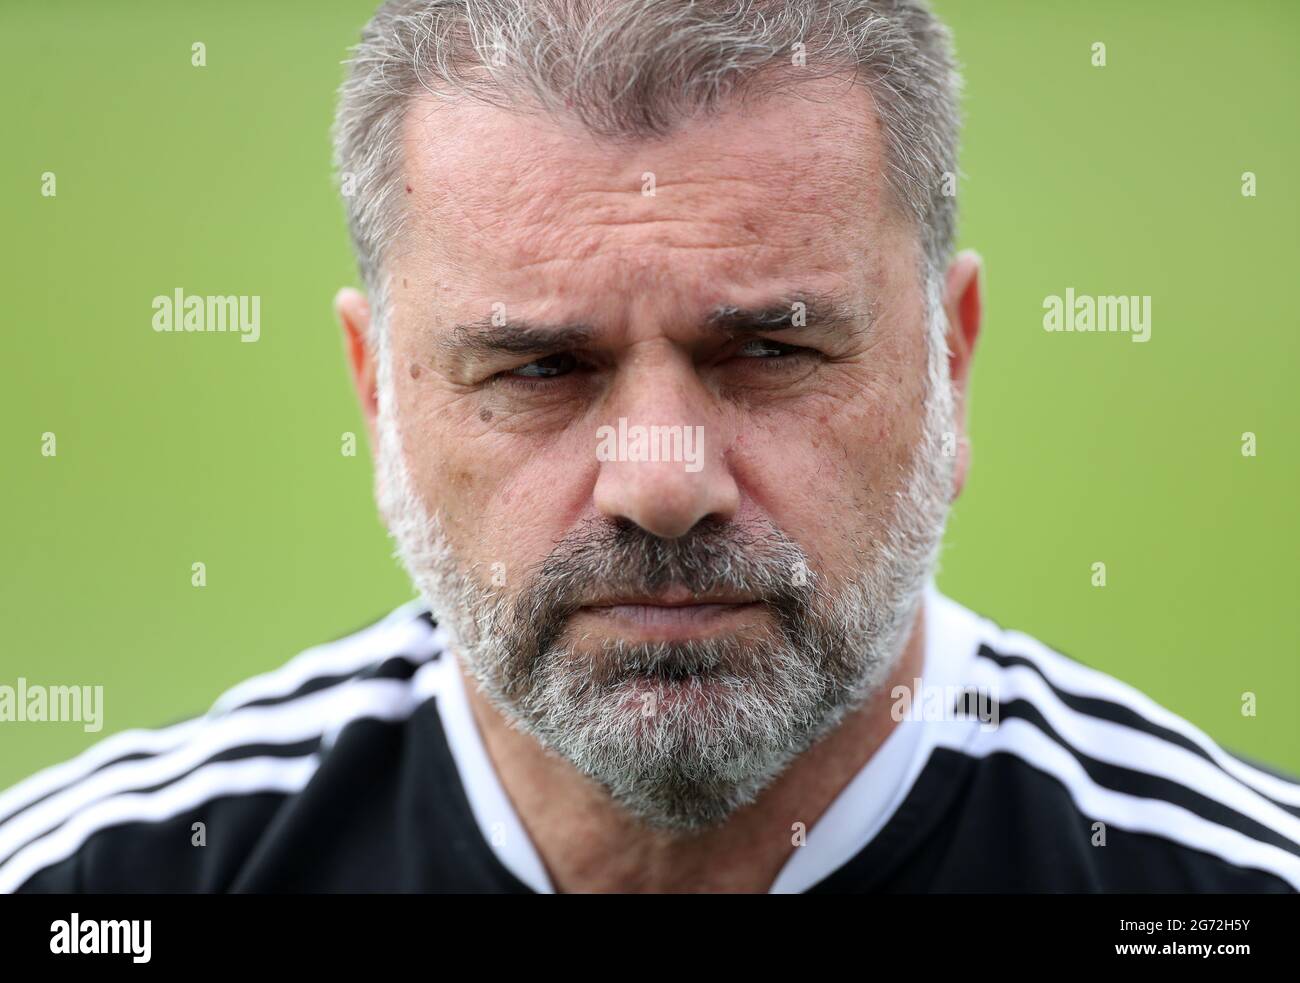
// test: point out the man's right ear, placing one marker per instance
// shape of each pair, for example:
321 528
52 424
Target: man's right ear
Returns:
353 312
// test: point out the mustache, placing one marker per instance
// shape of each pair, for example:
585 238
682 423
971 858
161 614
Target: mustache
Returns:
604 557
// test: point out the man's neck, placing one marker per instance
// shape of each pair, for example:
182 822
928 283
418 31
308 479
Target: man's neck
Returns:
589 844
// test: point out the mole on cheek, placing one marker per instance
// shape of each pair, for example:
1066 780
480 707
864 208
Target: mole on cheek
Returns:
485 415
415 370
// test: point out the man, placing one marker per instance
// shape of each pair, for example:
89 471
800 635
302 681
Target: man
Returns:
665 360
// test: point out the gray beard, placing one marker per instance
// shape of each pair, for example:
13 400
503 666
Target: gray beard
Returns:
680 735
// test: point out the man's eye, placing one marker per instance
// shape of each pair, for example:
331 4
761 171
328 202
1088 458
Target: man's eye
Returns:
765 348
545 368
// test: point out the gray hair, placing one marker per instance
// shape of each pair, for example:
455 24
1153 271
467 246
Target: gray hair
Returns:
627 69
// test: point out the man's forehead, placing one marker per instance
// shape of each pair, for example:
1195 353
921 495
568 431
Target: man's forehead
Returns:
786 170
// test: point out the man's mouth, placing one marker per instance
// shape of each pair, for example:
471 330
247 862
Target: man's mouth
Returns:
675 615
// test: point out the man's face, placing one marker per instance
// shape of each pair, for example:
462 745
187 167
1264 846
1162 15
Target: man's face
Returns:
543 293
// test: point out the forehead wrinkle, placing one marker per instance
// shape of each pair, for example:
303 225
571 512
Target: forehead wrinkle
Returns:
546 157
494 226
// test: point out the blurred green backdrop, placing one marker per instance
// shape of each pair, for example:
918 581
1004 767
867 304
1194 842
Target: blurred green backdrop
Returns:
1087 448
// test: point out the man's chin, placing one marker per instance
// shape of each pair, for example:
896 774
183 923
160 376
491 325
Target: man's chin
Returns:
674 775
678 753
696 719
730 651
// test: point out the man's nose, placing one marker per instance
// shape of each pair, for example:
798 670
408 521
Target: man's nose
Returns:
662 462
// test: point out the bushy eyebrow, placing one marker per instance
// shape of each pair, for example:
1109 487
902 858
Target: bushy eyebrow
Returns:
488 337
795 311
493 336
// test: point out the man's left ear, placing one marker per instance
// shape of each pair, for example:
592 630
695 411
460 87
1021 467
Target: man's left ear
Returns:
964 307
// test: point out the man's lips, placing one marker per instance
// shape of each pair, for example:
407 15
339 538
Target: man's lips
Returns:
677 597
673 615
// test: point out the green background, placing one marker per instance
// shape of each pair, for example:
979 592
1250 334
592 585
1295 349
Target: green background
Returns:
178 448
